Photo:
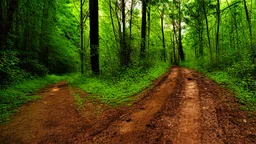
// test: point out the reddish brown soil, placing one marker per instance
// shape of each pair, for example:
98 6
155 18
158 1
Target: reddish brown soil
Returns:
182 107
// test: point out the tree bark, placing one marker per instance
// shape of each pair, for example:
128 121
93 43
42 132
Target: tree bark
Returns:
207 29
248 21
149 22
112 22
181 52
143 29
131 14
163 38
82 36
125 56
94 36
218 30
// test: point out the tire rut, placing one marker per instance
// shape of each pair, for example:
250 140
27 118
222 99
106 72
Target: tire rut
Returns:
183 107
189 115
132 126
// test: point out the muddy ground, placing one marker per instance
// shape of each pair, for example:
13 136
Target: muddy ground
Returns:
183 107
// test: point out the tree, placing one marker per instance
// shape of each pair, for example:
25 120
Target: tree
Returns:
162 29
125 51
94 36
207 29
181 52
143 29
82 35
149 21
218 30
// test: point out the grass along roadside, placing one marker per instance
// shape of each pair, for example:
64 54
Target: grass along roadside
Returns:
244 89
20 93
118 90
110 90
237 79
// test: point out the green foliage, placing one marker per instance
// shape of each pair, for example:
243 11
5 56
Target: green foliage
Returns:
21 93
231 60
118 90
42 37
79 101
9 66
242 87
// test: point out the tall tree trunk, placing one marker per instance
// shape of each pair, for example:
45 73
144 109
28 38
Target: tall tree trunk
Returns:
143 29
125 57
94 36
200 30
181 52
163 38
43 45
207 29
174 46
149 21
118 23
82 36
248 21
112 22
218 30
131 16
174 35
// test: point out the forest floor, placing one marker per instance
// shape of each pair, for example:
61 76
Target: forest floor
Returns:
182 107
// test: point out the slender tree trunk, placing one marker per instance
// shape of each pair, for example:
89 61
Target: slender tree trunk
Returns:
82 36
143 29
94 36
131 16
207 29
174 34
218 30
181 52
248 21
112 22
125 57
118 23
200 30
43 46
163 38
174 46
149 22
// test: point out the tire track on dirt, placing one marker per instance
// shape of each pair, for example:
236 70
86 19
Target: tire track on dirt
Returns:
132 127
50 119
183 107
189 115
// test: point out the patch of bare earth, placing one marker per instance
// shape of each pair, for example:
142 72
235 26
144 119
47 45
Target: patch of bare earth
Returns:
182 107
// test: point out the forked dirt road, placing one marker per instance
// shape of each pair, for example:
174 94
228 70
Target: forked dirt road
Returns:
183 107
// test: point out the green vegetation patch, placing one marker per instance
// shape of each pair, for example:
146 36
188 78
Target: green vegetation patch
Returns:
118 90
21 93
79 101
244 88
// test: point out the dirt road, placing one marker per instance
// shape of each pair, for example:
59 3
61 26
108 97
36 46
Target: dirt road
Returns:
183 107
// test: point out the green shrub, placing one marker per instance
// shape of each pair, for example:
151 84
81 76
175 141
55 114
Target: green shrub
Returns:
119 89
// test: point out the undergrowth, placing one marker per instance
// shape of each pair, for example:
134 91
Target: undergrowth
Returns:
239 77
119 89
244 89
115 90
20 93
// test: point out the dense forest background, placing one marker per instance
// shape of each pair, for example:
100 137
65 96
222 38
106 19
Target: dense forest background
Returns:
126 38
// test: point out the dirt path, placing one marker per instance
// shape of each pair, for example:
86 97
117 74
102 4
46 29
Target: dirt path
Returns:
183 107
189 119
